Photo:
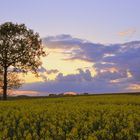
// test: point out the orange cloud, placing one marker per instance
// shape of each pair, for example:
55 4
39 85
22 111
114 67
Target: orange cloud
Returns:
115 81
128 32
112 70
135 87
25 92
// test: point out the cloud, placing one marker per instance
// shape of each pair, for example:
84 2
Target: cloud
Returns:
44 73
77 58
52 71
135 87
128 32
117 66
25 92
62 42
83 82
80 77
42 69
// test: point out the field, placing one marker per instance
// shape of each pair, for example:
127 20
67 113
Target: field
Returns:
104 117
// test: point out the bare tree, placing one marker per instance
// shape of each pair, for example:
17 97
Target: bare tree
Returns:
13 82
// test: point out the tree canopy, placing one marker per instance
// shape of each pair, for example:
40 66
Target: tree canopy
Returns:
20 49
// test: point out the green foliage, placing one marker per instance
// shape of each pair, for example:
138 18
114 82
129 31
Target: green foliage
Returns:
106 117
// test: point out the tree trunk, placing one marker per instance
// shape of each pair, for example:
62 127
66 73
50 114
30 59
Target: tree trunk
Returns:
5 84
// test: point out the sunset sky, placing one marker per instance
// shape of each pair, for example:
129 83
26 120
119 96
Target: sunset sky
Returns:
92 45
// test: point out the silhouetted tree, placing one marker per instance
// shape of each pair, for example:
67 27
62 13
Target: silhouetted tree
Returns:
13 82
20 48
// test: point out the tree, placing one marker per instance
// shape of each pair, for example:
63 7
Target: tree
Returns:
20 48
13 81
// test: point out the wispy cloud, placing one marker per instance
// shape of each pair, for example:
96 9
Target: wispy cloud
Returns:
77 58
133 87
127 33
25 92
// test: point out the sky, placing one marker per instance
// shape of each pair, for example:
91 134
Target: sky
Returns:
102 21
92 45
